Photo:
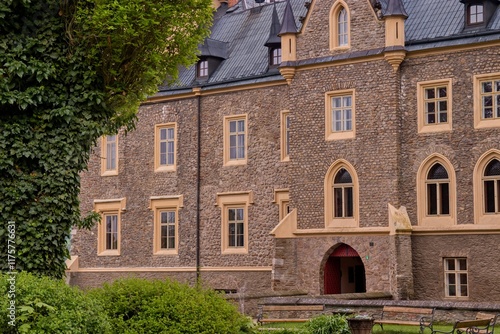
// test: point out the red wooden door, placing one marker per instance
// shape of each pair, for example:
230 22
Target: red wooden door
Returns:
332 276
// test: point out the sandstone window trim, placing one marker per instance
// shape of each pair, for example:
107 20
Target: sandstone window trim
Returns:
480 214
282 199
112 209
109 154
340 119
424 217
160 205
285 135
234 201
480 119
235 130
456 283
434 112
331 220
165 137
340 26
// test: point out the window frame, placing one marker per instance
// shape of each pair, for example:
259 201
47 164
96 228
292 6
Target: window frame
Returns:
234 200
201 70
157 150
330 134
228 161
106 208
275 59
469 15
159 204
456 273
105 171
423 126
479 121
423 218
285 135
334 26
480 215
330 220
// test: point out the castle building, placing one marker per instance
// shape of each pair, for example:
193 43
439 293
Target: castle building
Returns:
324 146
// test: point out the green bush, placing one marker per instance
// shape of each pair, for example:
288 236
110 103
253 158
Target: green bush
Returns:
141 306
45 305
326 324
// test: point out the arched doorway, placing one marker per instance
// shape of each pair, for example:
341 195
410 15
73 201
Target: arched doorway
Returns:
344 272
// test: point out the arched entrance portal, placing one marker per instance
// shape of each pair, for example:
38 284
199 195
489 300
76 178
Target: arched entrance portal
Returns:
344 272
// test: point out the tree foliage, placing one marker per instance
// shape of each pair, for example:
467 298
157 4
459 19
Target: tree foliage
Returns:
70 72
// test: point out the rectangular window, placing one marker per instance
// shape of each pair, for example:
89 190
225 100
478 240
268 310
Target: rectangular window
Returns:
434 105
166 225
235 140
455 272
490 99
343 202
167 229
236 228
108 230
203 68
234 222
110 155
339 115
475 14
111 221
165 147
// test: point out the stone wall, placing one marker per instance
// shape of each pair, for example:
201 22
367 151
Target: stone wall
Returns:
373 152
463 145
483 259
367 32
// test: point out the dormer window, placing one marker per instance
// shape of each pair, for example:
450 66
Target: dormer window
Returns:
202 69
478 13
275 58
475 14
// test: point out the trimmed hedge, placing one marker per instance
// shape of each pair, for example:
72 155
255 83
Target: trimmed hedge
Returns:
46 305
141 306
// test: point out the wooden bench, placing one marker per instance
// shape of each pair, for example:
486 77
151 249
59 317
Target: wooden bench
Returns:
487 329
410 316
468 326
261 319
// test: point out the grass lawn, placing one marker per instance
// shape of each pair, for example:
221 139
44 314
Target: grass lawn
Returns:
388 329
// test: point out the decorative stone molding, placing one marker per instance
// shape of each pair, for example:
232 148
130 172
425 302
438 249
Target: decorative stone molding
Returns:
395 58
288 73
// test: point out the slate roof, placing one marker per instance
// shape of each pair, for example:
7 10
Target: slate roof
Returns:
240 35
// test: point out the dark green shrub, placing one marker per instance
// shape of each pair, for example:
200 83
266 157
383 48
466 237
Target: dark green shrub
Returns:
327 324
141 306
46 305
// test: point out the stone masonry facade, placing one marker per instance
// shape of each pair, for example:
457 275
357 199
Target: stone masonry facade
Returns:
400 256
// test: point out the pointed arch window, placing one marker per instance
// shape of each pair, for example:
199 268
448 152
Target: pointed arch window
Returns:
491 186
343 201
343 31
341 196
339 26
438 191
